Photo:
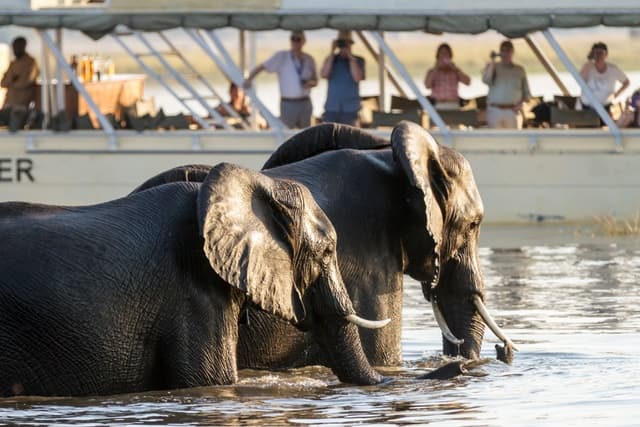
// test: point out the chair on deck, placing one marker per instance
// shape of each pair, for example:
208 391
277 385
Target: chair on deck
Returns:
565 102
456 118
404 104
574 118
382 119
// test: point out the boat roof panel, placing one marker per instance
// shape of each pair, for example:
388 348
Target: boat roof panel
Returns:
436 16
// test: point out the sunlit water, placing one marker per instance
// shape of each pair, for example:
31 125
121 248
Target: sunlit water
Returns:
569 300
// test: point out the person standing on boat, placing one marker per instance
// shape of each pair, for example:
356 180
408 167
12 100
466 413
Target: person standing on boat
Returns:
508 89
344 72
443 79
602 76
297 74
19 79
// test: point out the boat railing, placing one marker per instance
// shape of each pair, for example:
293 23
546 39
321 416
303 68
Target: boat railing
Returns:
209 42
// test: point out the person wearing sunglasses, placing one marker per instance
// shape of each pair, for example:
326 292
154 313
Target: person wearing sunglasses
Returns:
297 74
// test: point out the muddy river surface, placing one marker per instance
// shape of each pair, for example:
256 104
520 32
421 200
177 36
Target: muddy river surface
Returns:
570 301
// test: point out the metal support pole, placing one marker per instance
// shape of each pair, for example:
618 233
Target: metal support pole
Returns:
242 50
381 77
202 80
547 64
593 102
48 84
60 95
234 74
424 102
253 49
106 126
392 77
160 80
180 79
44 91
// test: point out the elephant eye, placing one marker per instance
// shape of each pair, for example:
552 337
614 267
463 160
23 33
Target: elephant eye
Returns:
327 253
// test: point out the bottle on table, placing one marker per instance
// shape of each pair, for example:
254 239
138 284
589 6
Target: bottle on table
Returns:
109 67
74 64
97 67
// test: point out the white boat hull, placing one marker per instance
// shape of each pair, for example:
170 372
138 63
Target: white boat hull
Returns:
553 176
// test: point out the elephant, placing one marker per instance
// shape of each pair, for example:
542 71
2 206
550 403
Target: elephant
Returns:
405 206
146 292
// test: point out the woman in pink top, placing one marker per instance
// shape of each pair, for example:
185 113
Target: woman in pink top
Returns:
443 79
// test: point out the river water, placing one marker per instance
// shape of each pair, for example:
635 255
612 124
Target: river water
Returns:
568 299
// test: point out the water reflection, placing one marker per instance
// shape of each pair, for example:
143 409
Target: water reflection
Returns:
572 306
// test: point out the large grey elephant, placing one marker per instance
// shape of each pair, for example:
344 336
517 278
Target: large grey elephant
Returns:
146 292
405 206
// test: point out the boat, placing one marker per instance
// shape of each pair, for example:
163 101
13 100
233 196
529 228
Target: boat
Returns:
529 175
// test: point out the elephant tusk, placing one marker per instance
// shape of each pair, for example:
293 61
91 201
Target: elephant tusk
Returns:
446 332
484 313
369 324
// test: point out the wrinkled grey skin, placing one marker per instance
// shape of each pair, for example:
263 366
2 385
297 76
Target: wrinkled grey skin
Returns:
405 206
146 292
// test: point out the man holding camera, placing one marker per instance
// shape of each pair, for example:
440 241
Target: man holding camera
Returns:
508 89
601 77
344 72
296 76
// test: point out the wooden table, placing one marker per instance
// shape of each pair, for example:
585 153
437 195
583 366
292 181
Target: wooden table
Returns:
111 95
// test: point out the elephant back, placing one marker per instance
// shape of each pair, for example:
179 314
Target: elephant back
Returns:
186 173
318 139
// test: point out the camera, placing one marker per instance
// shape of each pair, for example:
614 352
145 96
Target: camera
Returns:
341 43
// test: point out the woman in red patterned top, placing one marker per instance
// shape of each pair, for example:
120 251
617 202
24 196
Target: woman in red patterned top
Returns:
443 79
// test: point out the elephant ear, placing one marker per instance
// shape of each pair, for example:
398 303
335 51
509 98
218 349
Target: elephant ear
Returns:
418 155
251 227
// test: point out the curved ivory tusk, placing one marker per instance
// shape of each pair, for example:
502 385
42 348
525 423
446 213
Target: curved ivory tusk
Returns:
484 313
446 332
369 324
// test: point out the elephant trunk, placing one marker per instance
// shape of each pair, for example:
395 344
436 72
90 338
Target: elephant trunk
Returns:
335 332
466 324
344 353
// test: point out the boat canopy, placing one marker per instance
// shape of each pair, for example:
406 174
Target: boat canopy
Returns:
97 19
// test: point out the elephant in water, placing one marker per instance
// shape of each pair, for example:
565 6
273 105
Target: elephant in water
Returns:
146 292
404 206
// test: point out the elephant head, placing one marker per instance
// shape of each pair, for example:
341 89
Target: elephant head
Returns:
445 210
433 212
268 238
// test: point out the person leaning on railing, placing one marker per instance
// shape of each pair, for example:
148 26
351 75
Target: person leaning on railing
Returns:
508 89
20 82
602 76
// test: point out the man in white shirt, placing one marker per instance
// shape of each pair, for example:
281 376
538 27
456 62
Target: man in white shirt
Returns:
296 75
602 76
